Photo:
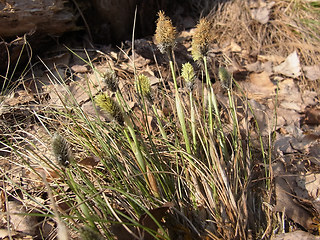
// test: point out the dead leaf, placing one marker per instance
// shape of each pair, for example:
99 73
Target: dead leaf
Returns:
314 151
311 183
261 14
57 93
303 143
259 85
92 112
261 116
148 222
254 67
150 74
261 80
276 59
312 116
286 201
312 72
153 183
61 59
309 98
63 204
83 90
19 97
91 161
232 47
37 174
2 201
6 233
283 146
20 220
141 122
291 105
290 67
299 234
79 68
290 116
289 91
140 62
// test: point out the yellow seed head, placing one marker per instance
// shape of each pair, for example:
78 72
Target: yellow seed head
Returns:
224 77
165 33
107 104
143 86
188 75
201 39
61 150
110 78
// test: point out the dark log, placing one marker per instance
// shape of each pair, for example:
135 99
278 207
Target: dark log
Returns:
52 17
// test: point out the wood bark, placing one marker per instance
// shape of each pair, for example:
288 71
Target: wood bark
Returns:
52 17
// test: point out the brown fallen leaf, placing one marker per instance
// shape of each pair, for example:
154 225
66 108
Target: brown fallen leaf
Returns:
2 201
262 117
90 162
19 97
260 67
290 116
286 201
61 59
20 219
4 233
276 59
232 47
290 67
261 14
141 122
63 205
301 235
259 85
311 183
152 183
125 233
79 68
148 222
312 72
314 151
312 116
37 174
58 94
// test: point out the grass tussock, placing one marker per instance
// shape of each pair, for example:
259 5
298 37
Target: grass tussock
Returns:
195 175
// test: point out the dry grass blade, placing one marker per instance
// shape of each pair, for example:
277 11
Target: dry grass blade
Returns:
291 26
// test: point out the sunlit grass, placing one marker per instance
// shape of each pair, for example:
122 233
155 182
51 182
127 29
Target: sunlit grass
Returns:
199 159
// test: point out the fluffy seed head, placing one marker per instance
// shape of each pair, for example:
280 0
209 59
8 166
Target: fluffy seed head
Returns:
61 150
188 75
225 77
165 33
110 78
107 104
201 39
143 86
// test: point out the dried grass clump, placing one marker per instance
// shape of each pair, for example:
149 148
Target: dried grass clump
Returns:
292 26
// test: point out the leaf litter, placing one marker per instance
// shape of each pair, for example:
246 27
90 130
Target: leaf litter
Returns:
297 134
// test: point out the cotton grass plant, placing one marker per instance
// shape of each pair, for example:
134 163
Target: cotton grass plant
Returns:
198 164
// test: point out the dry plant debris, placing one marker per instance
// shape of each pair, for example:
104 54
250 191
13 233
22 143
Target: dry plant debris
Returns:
257 42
